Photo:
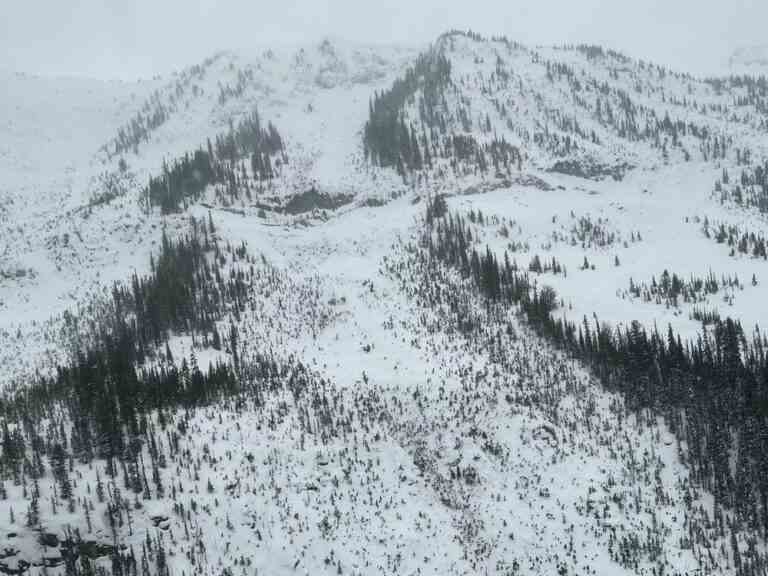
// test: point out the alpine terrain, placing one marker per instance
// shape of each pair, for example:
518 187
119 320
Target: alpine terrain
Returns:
474 308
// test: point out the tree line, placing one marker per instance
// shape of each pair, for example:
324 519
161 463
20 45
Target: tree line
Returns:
712 392
186 179
391 139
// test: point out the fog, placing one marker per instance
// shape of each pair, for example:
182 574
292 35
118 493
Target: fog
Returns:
140 38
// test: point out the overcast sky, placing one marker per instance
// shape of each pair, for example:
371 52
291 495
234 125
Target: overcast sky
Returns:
140 38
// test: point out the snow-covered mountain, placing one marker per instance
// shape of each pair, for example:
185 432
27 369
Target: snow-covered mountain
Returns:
749 60
375 310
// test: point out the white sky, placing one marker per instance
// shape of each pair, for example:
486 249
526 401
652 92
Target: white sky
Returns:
140 38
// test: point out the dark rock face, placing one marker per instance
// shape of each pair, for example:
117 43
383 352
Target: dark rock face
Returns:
590 169
161 522
10 563
48 539
88 548
57 552
51 561
373 202
314 200
21 567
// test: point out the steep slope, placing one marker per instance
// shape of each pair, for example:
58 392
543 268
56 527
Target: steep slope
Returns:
87 224
578 110
316 96
612 162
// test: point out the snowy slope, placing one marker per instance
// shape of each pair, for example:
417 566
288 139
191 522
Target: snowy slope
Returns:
631 152
73 245
418 445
